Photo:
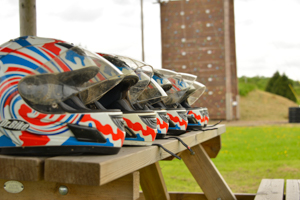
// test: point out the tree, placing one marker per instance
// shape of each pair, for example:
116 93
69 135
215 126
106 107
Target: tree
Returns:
281 85
270 85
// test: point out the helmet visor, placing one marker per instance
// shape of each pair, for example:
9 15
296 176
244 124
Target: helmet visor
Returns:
152 94
144 73
177 92
75 71
188 78
162 80
179 86
131 66
123 65
199 90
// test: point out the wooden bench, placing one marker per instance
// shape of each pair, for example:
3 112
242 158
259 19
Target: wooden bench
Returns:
272 189
292 189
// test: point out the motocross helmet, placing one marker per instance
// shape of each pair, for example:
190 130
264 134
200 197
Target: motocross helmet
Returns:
159 107
153 94
196 118
188 79
140 124
176 113
45 87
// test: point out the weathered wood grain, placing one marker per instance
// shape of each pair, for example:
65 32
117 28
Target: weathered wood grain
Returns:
200 196
212 146
270 189
21 168
153 183
292 191
125 188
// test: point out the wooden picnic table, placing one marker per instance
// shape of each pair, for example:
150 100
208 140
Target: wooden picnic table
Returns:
115 177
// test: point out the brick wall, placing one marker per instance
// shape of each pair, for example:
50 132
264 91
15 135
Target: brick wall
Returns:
194 41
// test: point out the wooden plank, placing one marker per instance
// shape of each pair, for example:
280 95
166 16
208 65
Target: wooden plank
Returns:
206 174
270 189
124 188
212 146
200 196
292 191
98 170
21 168
153 183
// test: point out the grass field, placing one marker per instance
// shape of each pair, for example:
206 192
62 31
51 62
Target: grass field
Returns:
248 155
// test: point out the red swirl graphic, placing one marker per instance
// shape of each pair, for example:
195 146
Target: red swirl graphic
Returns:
6 50
176 119
52 47
14 69
24 110
163 124
30 139
138 127
56 59
106 129
11 96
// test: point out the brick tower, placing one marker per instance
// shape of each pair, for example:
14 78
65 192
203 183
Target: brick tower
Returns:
198 37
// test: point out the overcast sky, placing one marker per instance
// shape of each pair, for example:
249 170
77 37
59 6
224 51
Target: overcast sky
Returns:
267 31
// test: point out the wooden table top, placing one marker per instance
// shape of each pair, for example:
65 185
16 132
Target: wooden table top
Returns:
97 169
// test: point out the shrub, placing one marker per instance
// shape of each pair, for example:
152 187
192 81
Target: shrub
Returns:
245 88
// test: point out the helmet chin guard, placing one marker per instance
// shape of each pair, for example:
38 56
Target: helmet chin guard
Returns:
47 89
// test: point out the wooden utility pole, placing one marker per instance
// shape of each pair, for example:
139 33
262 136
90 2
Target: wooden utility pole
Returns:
142 30
27 12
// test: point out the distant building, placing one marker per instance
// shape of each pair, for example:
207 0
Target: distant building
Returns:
198 37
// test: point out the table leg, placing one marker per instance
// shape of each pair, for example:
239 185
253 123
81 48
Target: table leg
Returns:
152 183
207 175
212 146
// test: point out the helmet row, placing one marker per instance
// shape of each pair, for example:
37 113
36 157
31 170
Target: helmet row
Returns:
57 98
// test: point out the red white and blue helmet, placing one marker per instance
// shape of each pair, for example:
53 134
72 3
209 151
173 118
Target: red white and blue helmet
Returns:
177 115
140 125
47 88
196 116
154 94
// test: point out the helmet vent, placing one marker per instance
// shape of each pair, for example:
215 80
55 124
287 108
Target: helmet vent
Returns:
87 134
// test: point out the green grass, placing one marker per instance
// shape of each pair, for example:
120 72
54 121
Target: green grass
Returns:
245 88
247 84
248 155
